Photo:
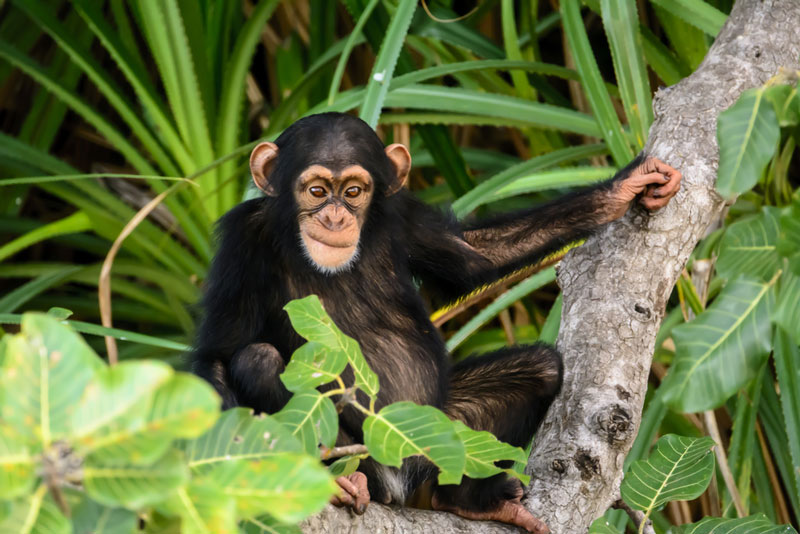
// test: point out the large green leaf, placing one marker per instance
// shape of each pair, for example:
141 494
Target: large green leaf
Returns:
747 133
718 352
312 322
184 407
749 247
16 466
135 486
289 486
754 524
406 429
117 398
680 468
312 419
482 451
238 434
312 365
45 371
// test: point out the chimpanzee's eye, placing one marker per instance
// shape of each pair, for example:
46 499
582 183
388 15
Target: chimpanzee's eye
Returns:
317 191
352 192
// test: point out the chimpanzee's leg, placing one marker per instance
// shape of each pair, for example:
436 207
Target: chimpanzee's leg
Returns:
507 393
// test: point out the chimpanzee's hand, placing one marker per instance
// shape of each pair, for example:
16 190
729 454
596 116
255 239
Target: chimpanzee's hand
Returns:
654 182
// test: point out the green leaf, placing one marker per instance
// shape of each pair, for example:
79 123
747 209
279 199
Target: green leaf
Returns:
46 362
289 486
524 288
16 466
312 419
787 365
37 514
88 517
268 525
406 429
592 82
621 23
723 348
786 101
602 526
747 133
97 330
204 509
754 524
312 322
697 13
541 181
749 247
680 468
345 466
477 196
75 223
238 434
483 450
787 311
789 239
382 71
184 407
118 398
135 486
312 365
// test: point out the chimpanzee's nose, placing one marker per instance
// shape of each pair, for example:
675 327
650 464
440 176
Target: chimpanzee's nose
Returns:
334 218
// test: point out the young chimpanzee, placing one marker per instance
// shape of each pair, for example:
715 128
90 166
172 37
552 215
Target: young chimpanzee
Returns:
337 222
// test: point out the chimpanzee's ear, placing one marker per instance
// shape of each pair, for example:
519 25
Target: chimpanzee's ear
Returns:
401 160
262 161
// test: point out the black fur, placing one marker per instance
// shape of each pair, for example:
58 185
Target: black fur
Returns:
246 337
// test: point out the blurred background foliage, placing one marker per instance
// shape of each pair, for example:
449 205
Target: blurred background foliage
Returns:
108 105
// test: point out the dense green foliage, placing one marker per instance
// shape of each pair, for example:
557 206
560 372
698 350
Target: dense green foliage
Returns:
110 105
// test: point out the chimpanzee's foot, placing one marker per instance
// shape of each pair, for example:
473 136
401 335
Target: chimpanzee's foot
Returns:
509 511
354 493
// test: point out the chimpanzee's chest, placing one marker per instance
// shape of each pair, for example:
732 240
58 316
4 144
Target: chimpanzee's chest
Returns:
390 322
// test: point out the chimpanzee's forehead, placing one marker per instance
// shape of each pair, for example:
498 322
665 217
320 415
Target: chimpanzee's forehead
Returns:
336 144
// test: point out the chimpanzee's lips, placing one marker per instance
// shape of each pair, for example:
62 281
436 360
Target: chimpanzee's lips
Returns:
333 243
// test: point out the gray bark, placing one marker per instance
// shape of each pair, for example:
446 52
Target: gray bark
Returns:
615 291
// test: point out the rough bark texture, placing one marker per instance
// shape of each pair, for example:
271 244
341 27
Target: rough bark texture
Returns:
616 286
615 290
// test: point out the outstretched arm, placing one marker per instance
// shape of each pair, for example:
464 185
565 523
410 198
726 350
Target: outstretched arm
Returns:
513 240
452 261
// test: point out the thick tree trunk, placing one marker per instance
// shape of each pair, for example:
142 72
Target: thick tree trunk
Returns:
615 290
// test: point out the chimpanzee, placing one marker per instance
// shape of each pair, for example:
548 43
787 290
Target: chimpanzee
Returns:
336 221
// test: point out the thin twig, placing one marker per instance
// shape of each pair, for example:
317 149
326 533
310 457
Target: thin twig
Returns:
637 517
104 286
338 452
722 461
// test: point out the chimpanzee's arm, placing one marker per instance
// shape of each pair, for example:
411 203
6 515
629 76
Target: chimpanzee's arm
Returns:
454 261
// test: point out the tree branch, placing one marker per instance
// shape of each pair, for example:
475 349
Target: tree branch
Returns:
616 286
615 290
